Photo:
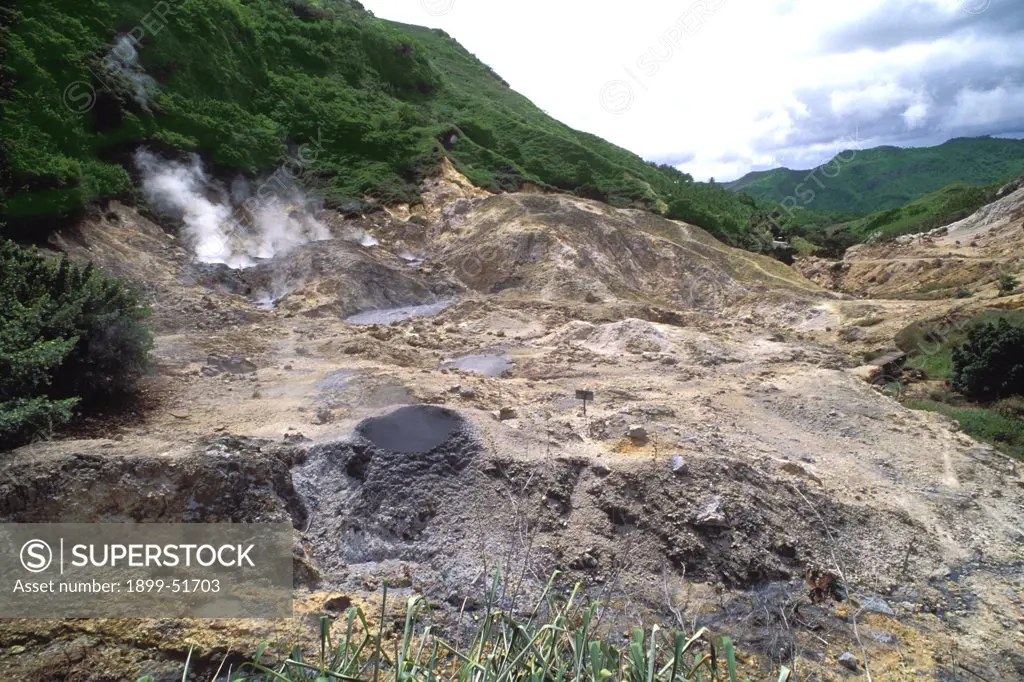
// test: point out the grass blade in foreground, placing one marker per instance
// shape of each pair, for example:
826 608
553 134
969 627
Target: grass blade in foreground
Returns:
555 643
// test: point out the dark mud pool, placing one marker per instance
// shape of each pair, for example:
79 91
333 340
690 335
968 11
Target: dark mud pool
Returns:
413 429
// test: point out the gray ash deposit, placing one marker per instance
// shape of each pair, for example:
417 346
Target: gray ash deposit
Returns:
399 313
375 494
333 277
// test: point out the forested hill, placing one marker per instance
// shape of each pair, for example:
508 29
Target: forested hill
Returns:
871 180
243 82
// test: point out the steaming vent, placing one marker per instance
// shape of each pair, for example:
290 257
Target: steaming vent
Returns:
238 228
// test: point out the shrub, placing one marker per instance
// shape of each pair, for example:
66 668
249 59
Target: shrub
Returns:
990 364
1011 407
69 337
1007 285
964 292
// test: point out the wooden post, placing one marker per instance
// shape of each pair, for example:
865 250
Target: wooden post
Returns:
584 396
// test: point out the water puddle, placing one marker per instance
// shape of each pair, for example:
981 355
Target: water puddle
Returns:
493 365
400 314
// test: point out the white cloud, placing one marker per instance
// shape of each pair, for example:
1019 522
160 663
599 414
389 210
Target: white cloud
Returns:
983 108
725 84
871 101
916 114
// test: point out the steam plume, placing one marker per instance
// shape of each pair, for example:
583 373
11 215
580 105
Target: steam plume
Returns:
236 228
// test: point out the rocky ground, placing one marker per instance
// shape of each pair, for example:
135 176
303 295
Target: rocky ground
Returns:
730 455
969 255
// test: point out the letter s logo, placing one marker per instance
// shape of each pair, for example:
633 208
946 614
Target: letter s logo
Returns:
36 556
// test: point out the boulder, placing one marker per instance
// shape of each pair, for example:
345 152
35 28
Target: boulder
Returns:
849 661
637 433
876 605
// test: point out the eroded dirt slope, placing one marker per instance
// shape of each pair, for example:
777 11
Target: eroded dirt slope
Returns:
971 254
729 451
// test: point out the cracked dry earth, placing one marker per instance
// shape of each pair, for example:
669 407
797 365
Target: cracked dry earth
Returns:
729 451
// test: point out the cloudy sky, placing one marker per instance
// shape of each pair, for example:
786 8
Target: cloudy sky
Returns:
722 87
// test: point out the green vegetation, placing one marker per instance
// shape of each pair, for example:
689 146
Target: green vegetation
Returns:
883 193
884 178
832 233
243 82
982 358
964 292
989 426
929 212
990 364
69 337
929 345
238 82
558 641
1007 285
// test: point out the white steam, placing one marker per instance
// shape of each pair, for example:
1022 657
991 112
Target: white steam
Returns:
237 228
123 62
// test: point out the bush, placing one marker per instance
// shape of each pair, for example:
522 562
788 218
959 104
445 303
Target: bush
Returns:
1011 407
990 364
1007 285
69 337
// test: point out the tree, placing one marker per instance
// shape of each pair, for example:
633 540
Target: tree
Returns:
69 337
990 364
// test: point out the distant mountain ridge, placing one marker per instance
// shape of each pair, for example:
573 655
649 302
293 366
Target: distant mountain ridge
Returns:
882 178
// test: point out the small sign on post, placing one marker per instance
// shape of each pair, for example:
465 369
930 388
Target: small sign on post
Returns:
584 396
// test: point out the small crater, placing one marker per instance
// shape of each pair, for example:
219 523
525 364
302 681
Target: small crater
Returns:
413 429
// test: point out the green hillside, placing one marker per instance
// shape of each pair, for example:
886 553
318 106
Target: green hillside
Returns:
832 233
933 210
244 82
872 180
